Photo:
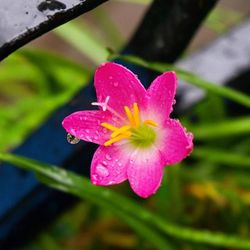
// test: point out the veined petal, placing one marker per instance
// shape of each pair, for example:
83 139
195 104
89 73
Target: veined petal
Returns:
176 143
120 84
85 125
108 166
161 94
145 171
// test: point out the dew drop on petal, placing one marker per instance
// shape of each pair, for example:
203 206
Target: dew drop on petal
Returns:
72 139
102 171
119 164
108 157
94 178
89 138
104 163
174 102
116 84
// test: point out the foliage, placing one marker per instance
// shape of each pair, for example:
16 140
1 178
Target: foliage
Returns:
203 202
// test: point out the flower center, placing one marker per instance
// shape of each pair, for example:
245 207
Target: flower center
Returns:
140 134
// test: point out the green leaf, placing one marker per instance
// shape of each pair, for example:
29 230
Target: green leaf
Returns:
81 37
226 128
191 78
81 187
231 159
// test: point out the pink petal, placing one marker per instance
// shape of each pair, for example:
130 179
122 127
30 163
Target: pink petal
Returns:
161 94
120 84
85 125
176 144
145 171
108 166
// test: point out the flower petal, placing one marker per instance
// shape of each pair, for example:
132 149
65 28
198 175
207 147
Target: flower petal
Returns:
176 143
120 84
161 94
85 125
145 171
108 166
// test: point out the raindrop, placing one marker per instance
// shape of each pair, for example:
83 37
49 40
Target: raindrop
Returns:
116 84
104 163
72 139
94 178
110 77
89 138
174 102
108 157
102 171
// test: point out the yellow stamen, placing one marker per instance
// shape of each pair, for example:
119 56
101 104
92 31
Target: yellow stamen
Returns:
130 116
120 131
109 126
136 115
118 138
151 122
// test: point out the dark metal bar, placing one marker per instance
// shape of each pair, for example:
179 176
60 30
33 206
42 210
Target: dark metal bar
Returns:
168 27
24 20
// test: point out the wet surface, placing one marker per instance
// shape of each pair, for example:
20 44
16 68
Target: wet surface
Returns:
51 5
23 20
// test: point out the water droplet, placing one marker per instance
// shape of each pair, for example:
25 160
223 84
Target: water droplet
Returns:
116 84
114 118
119 164
104 163
87 131
88 138
94 178
96 137
110 77
108 157
102 171
174 102
72 139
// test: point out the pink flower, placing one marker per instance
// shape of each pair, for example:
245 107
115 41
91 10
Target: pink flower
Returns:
136 136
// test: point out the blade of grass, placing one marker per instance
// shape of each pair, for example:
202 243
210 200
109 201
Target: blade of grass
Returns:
190 78
81 187
239 126
108 27
81 38
230 159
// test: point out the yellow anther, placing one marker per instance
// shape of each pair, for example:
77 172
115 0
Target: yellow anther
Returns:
119 131
129 115
136 115
151 122
109 126
118 138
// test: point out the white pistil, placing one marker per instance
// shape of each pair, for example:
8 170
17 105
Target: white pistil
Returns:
103 105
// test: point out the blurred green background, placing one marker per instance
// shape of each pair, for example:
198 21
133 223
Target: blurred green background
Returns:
210 190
